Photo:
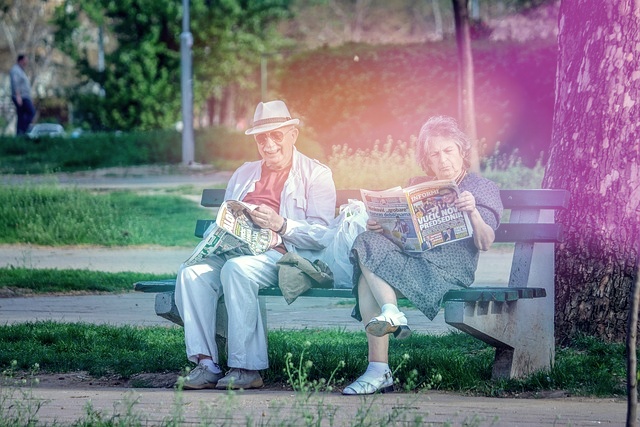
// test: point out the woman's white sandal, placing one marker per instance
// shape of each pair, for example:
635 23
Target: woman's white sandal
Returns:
386 323
366 385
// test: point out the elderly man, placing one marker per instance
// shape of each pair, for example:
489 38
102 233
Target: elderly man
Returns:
293 193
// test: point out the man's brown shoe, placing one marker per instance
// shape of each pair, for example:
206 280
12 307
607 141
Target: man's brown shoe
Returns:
200 378
237 379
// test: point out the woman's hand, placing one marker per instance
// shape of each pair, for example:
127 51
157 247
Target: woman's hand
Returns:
483 235
265 217
466 202
374 226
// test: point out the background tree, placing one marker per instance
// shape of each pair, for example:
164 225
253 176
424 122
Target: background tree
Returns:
466 88
230 38
24 29
595 154
139 87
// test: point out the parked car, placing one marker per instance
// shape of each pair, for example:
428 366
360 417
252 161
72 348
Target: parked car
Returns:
45 130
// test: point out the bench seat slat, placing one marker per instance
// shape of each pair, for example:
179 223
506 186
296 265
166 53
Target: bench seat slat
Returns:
498 294
314 292
483 294
157 286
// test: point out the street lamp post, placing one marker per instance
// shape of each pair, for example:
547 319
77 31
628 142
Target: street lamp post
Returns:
186 83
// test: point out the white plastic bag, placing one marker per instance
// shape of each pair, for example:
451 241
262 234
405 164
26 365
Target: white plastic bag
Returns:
343 230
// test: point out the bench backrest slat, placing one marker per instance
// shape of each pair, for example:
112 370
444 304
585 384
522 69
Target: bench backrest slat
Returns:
543 233
511 199
505 233
212 197
535 199
521 200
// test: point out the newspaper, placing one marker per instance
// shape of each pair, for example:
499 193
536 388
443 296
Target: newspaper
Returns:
420 217
234 229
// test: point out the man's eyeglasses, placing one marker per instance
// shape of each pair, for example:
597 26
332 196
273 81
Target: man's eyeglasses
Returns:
276 136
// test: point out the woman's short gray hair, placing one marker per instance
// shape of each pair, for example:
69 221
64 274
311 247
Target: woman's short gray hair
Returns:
442 127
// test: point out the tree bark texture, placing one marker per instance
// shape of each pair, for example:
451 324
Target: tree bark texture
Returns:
632 360
466 92
595 155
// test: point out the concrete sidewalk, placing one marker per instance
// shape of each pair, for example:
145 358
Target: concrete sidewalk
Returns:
155 407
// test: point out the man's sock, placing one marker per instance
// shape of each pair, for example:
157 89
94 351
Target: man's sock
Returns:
210 365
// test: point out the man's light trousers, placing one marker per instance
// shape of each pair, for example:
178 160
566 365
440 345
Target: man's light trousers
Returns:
198 288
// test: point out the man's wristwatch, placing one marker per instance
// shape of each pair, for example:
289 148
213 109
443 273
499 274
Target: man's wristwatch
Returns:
282 229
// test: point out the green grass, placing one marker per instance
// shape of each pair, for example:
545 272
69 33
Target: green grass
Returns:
454 362
44 281
52 216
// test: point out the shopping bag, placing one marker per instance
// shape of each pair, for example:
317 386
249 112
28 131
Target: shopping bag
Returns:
341 233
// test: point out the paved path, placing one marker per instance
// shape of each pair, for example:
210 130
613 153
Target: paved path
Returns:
133 177
273 407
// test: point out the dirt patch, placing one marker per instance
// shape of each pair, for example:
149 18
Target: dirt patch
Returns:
14 292
83 379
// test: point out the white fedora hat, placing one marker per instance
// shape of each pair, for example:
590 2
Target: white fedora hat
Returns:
269 116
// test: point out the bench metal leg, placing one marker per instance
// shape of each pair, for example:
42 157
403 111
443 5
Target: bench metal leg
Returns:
166 307
519 331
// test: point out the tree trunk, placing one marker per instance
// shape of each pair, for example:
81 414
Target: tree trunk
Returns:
437 17
475 10
228 107
360 13
595 147
465 79
632 360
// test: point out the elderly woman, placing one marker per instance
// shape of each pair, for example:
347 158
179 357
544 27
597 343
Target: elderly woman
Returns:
382 269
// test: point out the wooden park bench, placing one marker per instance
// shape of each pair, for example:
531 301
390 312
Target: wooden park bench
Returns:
517 319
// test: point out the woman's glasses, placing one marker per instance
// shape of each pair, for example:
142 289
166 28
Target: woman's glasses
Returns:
276 136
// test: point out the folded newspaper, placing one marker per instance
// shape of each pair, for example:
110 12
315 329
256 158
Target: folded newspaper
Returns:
420 217
234 229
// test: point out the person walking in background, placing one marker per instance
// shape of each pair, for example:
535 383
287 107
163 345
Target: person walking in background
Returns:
293 193
21 95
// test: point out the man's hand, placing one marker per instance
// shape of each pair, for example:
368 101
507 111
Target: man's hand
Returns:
265 217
